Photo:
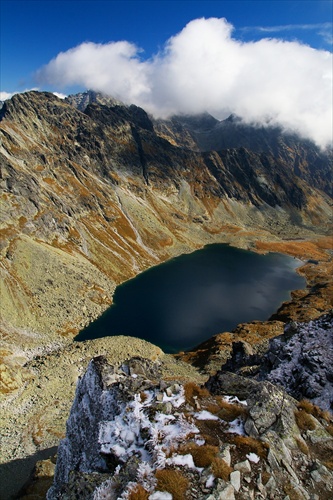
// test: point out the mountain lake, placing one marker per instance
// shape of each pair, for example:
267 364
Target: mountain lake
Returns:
186 300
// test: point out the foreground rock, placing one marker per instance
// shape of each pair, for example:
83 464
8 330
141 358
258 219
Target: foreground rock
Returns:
33 419
133 435
300 360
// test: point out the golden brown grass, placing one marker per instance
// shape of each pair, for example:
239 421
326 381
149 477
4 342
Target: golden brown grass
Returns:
249 444
306 406
314 410
212 408
172 481
329 464
143 397
138 493
210 430
265 476
302 446
291 492
329 429
302 249
230 411
221 469
193 392
304 421
202 455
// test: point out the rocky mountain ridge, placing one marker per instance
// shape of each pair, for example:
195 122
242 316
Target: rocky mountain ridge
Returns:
100 193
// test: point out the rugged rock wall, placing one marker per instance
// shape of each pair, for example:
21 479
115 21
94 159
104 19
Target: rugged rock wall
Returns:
300 360
132 435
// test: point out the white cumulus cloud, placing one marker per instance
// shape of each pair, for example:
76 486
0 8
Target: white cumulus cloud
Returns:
203 68
60 95
6 95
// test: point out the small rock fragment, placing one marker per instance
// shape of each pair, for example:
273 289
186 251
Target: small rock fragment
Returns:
235 478
243 467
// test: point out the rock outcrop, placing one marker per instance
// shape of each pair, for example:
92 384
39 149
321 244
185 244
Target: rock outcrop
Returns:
33 417
133 435
300 360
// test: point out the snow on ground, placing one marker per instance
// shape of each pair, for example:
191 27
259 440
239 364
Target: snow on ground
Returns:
122 436
205 415
253 457
234 399
141 429
237 427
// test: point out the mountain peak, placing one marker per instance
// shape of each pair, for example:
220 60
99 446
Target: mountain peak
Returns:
83 99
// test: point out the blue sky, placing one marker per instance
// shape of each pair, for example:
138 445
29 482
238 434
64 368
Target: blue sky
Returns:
35 32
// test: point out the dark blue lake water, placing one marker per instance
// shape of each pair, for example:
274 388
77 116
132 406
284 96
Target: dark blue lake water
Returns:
179 304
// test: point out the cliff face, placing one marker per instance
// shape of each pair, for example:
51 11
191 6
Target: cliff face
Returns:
204 133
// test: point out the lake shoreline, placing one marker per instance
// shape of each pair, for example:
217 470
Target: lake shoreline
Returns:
181 303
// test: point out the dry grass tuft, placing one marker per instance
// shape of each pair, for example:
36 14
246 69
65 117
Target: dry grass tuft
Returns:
291 492
265 477
193 392
143 397
249 444
173 482
212 408
314 410
329 464
304 421
302 446
221 469
211 439
202 455
138 493
230 411
329 429
306 406
210 430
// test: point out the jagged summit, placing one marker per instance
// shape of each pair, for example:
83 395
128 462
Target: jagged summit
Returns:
83 99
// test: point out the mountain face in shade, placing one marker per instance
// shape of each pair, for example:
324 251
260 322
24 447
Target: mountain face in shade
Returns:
208 134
